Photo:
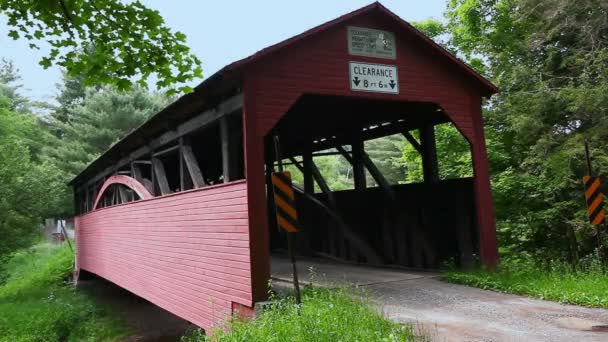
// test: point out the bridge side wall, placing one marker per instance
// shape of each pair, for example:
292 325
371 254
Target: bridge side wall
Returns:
187 253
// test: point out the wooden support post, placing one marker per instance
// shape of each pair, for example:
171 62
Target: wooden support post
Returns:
114 195
86 201
358 149
224 134
464 238
229 150
95 189
182 175
161 176
309 185
152 175
430 165
192 165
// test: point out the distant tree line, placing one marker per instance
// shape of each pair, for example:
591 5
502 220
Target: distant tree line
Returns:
43 146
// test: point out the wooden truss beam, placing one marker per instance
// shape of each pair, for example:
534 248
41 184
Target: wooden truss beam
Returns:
206 118
408 136
367 133
192 166
377 175
345 154
323 184
161 176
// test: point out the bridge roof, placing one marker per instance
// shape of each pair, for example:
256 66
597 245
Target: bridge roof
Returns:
228 80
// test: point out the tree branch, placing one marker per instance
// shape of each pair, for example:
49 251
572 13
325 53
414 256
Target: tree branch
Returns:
68 17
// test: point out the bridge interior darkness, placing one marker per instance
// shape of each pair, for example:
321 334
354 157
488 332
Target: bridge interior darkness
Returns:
375 220
210 154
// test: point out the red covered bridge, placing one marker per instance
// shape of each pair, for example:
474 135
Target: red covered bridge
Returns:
177 211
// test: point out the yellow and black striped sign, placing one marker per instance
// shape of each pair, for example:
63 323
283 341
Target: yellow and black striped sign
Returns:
285 202
595 200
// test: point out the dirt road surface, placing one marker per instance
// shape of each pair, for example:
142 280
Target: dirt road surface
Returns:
449 312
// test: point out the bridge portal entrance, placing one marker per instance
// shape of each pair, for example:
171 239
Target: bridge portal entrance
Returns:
359 198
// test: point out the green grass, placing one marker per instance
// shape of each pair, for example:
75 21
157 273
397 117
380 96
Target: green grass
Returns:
37 304
587 286
325 315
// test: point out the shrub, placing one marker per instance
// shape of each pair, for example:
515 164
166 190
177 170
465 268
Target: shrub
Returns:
36 303
587 284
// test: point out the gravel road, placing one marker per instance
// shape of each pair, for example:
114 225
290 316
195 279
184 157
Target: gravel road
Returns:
449 312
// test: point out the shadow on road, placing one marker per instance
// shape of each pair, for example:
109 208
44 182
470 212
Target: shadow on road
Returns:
148 322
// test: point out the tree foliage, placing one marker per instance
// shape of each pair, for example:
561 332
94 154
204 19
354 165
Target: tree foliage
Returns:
97 121
29 189
40 155
105 41
549 58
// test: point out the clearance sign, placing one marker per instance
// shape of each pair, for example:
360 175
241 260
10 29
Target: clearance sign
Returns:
376 78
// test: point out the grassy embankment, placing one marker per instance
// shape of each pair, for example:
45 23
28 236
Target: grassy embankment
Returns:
588 285
325 315
36 303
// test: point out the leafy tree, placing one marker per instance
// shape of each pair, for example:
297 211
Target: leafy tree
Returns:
105 41
29 190
386 153
550 60
453 156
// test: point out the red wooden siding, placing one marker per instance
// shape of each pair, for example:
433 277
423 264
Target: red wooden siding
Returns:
187 253
318 64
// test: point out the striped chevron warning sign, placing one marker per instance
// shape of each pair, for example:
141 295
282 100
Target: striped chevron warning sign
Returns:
595 200
285 203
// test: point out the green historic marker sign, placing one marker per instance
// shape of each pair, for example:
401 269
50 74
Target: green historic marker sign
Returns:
371 43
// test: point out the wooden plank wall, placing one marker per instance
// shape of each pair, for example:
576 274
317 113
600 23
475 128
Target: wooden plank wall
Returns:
424 226
187 252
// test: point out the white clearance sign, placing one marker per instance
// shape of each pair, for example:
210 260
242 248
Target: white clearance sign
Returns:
377 78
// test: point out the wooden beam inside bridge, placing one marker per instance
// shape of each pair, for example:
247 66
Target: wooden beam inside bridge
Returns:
204 119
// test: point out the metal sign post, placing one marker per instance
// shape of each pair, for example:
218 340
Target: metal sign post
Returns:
289 227
595 205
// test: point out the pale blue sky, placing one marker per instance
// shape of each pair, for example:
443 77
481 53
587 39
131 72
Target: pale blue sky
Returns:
220 32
